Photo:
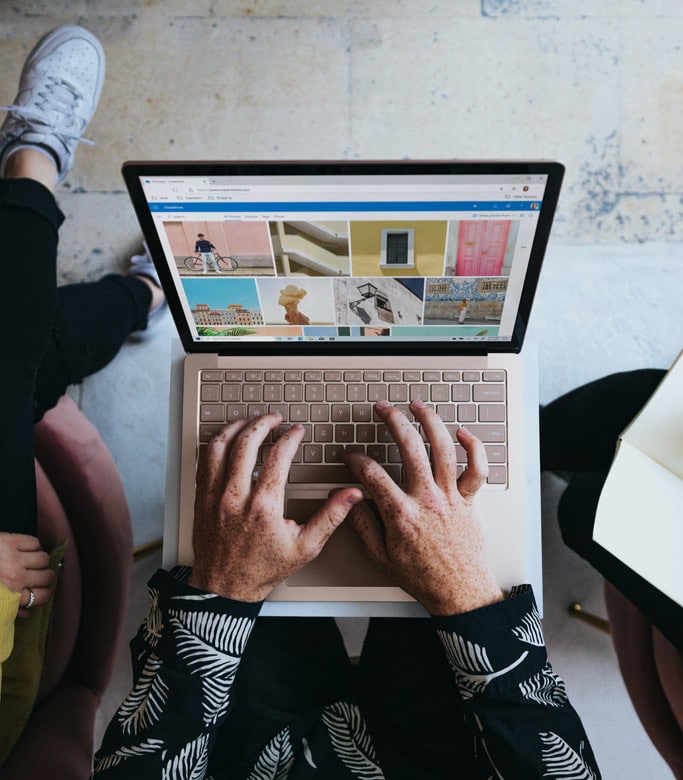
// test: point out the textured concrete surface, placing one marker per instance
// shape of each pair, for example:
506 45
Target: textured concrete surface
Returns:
596 85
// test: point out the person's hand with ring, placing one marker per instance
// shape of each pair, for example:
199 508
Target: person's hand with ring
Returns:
25 569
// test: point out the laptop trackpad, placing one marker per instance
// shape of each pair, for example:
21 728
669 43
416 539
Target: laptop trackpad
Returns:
342 562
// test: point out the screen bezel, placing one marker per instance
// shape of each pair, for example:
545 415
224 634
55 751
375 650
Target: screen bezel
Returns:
133 171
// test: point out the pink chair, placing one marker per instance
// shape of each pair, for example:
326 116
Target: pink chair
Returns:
80 498
652 669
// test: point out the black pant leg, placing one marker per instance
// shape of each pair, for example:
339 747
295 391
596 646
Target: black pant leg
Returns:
291 666
408 697
29 222
579 430
92 321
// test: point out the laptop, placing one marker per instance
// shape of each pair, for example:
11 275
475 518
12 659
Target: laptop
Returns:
315 288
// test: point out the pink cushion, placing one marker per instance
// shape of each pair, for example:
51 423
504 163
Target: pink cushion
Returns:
80 498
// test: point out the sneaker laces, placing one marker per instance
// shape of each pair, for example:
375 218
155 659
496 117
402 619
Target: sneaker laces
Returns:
59 97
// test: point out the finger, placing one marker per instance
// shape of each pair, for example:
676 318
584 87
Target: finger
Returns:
244 454
35 560
369 527
414 457
26 543
373 478
41 579
444 456
211 470
315 532
477 469
275 470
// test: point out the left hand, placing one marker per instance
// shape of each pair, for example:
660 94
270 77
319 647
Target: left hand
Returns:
243 545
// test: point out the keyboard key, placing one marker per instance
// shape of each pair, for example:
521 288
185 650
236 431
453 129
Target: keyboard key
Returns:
419 392
471 376
398 393
313 453
212 413
341 413
332 474
493 376
210 393
467 413
492 413
365 433
488 393
208 430
320 413
361 413
460 393
272 393
323 432
234 376
253 376
356 393
230 393
495 453
294 392
211 376
440 393
489 434
497 475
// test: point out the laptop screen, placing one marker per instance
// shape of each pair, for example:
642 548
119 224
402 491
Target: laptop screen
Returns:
401 253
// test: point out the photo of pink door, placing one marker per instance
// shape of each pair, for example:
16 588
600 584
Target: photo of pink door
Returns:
481 247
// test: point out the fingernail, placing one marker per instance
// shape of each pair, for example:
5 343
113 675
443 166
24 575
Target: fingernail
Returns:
382 404
419 403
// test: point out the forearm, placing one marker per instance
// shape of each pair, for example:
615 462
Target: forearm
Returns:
516 706
185 657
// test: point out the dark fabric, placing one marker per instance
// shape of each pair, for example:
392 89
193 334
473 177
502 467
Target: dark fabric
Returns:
51 337
198 660
29 221
578 434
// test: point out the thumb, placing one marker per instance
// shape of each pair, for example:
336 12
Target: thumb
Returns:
329 517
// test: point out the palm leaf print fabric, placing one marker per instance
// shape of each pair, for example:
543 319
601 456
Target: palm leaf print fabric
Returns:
186 656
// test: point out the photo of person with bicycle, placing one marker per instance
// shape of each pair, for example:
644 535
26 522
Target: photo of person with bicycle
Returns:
205 249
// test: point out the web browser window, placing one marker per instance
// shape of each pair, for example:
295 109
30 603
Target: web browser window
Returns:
273 258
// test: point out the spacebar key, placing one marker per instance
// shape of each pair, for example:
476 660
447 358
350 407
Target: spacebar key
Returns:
317 474
332 474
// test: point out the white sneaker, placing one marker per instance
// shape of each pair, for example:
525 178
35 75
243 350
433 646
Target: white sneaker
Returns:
59 88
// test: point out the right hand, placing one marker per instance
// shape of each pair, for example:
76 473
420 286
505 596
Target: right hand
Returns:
25 567
424 535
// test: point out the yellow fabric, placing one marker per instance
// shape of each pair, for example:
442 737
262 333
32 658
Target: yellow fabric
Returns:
9 605
22 670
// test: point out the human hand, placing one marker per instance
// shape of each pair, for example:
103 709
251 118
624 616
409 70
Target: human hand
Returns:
424 535
25 567
243 545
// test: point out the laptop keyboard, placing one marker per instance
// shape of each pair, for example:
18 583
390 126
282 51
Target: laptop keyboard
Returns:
335 408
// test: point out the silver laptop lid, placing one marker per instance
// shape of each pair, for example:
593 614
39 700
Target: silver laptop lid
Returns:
402 257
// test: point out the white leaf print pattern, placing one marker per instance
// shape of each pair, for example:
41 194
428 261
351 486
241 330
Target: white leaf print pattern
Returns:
276 759
114 759
470 662
191 763
153 622
531 630
545 688
144 704
211 645
351 741
562 761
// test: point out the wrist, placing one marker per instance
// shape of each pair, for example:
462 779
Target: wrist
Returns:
226 589
467 595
